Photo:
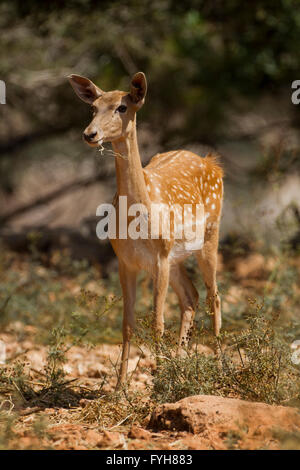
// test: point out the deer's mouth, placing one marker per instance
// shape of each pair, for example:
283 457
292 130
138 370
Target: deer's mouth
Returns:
94 143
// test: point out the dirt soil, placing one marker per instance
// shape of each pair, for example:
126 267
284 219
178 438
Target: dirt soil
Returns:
202 422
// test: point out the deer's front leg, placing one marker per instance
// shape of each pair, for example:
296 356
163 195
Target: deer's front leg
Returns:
128 284
161 283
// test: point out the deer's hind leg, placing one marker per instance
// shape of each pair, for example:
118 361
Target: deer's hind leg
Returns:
207 261
188 299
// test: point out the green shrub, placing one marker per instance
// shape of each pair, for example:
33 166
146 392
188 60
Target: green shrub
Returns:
254 364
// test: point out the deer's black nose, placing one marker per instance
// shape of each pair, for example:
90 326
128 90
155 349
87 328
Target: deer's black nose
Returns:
89 137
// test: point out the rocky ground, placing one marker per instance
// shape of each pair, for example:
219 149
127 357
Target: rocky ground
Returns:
85 412
198 422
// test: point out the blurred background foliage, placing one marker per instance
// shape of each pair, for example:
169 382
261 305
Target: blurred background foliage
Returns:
219 73
200 57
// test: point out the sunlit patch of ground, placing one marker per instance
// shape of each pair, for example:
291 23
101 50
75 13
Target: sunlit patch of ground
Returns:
35 299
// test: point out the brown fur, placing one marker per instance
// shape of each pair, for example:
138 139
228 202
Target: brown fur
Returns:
177 177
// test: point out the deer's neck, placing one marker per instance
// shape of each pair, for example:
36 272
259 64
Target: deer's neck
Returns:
129 171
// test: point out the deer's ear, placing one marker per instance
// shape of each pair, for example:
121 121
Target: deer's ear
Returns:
84 88
138 88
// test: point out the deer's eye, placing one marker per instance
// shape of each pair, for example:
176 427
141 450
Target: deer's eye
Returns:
122 108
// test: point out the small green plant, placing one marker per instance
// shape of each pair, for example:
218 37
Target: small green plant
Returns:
56 358
53 388
254 364
15 383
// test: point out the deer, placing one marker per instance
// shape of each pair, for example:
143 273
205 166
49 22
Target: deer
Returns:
174 177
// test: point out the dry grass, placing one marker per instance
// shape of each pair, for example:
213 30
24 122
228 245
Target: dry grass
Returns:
47 306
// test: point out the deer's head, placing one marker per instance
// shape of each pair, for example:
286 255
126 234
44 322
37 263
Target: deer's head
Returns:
113 111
